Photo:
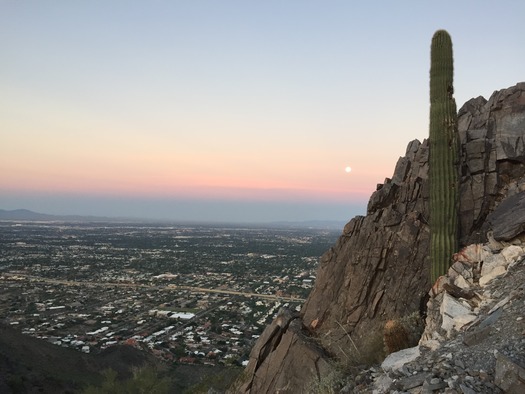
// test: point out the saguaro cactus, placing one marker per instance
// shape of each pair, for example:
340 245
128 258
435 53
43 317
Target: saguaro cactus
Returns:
443 173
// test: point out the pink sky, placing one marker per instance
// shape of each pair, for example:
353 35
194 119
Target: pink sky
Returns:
236 101
93 170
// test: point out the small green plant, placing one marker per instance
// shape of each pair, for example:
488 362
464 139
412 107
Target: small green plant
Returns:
443 173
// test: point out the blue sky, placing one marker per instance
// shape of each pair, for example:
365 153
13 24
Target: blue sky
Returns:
229 110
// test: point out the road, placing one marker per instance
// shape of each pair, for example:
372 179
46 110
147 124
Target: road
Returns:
169 287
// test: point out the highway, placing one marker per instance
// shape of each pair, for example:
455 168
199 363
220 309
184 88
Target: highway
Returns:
169 287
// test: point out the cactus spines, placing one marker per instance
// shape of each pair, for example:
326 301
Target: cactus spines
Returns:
402 333
443 177
395 337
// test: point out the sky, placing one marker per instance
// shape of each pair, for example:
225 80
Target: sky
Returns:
233 110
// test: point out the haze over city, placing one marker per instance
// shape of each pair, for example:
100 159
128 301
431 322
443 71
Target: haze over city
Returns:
228 111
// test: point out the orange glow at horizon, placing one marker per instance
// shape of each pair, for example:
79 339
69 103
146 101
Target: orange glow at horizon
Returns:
133 165
161 187
178 179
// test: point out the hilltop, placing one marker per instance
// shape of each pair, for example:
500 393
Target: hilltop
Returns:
28 364
378 270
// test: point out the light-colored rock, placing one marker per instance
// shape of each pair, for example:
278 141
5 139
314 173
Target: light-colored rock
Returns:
498 271
469 254
517 262
468 275
454 314
455 270
495 265
437 287
463 320
512 253
382 384
432 344
501 303
492 262
494 245
485 252
396 360
462 282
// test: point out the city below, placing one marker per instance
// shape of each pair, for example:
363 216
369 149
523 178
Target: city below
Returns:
199 294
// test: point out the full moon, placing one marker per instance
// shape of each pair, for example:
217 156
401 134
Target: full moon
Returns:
348 169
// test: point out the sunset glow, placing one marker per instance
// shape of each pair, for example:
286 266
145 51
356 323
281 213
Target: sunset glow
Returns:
261 103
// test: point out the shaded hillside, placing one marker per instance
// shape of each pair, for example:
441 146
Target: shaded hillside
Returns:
31 365
379 268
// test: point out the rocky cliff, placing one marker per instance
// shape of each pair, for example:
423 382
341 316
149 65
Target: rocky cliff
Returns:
379 268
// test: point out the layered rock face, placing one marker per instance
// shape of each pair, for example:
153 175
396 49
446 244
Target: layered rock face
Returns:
379 268
492 136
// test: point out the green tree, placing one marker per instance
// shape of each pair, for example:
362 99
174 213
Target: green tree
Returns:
443 173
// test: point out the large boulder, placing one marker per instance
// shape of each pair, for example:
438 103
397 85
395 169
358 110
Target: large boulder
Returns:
284 359
507 220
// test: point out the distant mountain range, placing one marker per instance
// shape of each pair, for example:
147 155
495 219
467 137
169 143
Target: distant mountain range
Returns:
319 224
27 215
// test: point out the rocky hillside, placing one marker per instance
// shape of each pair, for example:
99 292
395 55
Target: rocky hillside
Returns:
474 339
378 269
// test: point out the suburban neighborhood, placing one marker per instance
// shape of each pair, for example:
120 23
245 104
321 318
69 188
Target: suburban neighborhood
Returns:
188 294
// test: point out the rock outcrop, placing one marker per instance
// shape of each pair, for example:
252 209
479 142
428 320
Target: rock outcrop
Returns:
492 136
474 337
379 268
283 343
457 298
